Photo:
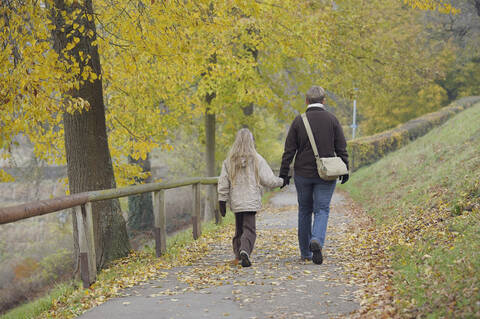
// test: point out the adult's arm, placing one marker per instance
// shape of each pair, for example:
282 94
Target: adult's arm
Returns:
291 147
340 143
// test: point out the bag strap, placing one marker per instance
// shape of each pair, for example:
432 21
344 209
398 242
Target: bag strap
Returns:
310 134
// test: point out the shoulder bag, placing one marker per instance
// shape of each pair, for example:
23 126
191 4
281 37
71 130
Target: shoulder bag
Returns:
329 168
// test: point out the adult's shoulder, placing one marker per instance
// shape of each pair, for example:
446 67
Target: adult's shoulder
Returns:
332 116
297 119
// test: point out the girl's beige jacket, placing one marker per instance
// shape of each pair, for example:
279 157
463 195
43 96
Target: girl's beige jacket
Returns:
245 195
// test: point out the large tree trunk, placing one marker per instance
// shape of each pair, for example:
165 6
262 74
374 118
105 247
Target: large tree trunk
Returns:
140 207
89 165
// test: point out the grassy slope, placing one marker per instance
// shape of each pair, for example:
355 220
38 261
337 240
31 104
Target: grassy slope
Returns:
428 194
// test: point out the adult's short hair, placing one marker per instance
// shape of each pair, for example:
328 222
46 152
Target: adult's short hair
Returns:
315 94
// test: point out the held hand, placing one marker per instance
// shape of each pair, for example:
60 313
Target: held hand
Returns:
223 207
344 178
286 181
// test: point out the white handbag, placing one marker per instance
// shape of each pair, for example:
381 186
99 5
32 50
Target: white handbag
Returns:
329 168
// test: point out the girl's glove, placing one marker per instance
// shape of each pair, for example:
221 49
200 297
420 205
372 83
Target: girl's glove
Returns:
223 207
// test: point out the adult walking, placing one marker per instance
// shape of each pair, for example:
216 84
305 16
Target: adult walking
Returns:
314 194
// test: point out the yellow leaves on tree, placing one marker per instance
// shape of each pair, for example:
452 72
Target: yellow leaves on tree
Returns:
161 60
440 5
33 82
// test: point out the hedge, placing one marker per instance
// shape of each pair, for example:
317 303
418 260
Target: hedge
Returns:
367 150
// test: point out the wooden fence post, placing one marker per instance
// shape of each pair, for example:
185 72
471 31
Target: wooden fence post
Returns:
218 217
210 203
160 229
196 218
85 251
92 258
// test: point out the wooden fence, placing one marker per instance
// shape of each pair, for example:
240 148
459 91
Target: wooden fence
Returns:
82 208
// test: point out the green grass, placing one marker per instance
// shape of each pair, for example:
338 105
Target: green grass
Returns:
34 308
446 158
435 179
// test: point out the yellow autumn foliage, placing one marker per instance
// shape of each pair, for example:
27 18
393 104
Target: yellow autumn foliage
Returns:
160 60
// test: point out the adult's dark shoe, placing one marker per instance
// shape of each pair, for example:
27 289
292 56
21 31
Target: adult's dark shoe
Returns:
245 259
316 249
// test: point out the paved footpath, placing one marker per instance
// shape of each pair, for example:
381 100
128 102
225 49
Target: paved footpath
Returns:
278 285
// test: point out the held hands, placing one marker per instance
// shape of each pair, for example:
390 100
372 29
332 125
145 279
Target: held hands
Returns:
223 207
344 178
286 180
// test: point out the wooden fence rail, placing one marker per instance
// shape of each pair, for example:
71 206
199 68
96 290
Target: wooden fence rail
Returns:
82 209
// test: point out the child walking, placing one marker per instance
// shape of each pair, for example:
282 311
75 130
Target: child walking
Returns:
244 172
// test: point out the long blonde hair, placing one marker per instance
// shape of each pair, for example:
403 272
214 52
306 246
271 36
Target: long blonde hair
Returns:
242 155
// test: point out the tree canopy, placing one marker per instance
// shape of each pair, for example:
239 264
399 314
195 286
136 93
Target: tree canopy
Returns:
160 59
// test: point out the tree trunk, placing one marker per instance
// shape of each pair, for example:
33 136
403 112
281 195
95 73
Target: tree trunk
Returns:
89 165
209 155
247 111
140 207
210 143
476 3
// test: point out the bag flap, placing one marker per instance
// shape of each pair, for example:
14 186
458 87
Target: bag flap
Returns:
334 166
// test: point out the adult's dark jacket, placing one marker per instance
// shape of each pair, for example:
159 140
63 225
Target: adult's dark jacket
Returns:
328 134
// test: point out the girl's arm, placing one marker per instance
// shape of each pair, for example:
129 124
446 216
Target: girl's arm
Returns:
267 178
223 185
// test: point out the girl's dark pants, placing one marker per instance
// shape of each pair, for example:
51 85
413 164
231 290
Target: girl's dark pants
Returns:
245 233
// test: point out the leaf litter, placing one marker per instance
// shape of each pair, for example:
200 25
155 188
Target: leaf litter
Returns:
205 263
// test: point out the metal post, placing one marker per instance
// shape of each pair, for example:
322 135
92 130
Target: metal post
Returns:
354 121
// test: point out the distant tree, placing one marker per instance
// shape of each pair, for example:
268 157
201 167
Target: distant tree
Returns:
442 6
140 207
463 31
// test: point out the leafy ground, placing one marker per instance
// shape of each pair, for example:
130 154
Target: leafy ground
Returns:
70 300
424 200
199 280
195 279
411 250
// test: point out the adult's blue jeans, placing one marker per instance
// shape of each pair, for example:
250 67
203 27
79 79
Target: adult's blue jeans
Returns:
314 196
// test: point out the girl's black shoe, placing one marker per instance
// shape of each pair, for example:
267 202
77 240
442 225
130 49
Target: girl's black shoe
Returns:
245 259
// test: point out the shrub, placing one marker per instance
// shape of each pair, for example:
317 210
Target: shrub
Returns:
367 150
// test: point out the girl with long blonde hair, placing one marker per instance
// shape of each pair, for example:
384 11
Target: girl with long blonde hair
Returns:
244 173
